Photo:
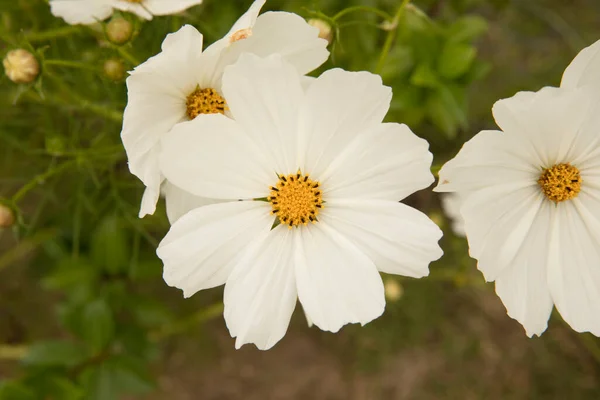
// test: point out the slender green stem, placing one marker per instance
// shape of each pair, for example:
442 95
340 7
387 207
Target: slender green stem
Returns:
391 36
373 10
128 56
69 64
206 314
52 34
25 247
40 179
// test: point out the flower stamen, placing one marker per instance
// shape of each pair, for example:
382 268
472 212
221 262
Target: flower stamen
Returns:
240 35
296 199
560 182
204 101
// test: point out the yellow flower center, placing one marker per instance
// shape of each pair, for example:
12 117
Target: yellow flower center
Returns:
204 101
134 1
560 182
296 199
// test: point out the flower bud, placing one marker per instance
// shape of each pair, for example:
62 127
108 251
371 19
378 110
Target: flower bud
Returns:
325 30
7 218
119 30
393 290
114 69
21 66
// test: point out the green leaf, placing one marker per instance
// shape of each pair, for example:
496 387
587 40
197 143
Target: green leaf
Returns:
109 248
70 273
116 376
455 60
55 386
98 325
425 76
56 353
467 28
15 391
446 112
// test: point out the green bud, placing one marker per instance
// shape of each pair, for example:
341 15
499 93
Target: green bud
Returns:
114 69
119 30
325 30
21 66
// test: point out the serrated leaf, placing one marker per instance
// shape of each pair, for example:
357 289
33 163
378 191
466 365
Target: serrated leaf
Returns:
456 59
109 248
56 353
98 325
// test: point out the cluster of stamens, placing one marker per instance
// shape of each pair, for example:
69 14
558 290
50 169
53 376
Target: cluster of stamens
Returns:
204 101
560 182
296 199
240 35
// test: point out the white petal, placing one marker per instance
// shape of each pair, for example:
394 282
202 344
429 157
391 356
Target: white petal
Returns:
162 7
201 248
574 260
286 34
248 19
497 221
490 158
260 294
387 161
397 238
81 11
211 156
339 106
337 283
151 111
149 200
523 286
179 66
263 96
138 9
451 204
549 120
583 70
179 202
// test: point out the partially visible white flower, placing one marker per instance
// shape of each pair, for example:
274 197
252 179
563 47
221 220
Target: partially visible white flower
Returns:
451 204
584 69
532 205
320 176
89 11
183 82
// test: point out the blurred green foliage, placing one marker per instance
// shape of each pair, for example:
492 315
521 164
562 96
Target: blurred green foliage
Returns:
63 173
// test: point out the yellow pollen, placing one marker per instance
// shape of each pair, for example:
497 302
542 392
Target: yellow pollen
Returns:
205 101
240 35
296 199
560 182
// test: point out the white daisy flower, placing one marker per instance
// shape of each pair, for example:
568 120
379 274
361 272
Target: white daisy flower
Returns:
322 165
183 82
90 11
583 70
532 205
451 204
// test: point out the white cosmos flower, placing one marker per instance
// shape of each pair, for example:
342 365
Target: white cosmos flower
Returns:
532 205
89 11
184 82
323 156
451 204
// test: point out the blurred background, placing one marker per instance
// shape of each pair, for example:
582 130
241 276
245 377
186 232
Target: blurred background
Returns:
84 312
